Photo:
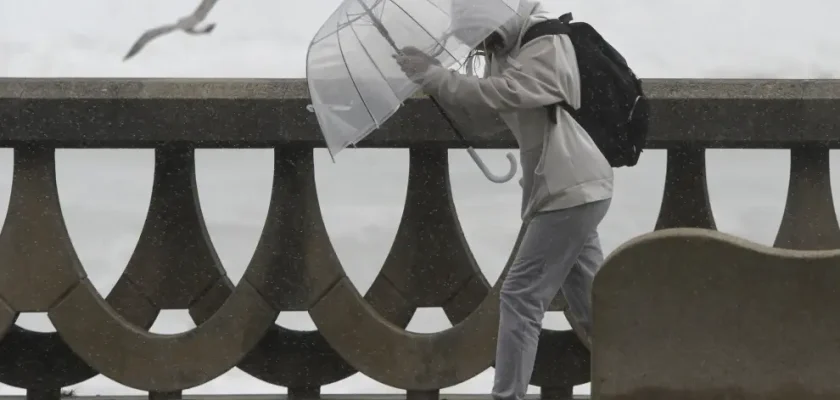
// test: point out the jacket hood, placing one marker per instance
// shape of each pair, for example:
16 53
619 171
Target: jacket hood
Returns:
472 14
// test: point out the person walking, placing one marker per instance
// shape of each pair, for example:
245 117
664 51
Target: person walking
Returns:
567 183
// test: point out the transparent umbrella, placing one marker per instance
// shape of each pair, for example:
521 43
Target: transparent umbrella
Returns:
356 85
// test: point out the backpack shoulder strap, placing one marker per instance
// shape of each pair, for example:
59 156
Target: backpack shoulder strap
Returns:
552 111
549 27
545 28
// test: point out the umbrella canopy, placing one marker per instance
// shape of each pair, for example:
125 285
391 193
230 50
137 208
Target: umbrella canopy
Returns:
354 82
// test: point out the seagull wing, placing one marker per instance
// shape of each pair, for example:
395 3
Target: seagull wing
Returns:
203 9
147 37
190 23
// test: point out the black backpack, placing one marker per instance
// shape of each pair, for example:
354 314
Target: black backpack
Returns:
614 109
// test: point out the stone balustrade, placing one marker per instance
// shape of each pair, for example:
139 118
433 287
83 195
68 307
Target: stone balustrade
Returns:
679 313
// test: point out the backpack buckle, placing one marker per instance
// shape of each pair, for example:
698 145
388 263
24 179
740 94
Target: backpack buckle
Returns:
566 18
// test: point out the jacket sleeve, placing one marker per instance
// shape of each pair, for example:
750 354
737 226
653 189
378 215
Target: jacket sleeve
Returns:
479 121
539 76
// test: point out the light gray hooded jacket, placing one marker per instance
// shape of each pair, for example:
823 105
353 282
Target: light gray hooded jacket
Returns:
561 165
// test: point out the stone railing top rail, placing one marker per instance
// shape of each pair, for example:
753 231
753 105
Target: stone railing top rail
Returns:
103 112
296 89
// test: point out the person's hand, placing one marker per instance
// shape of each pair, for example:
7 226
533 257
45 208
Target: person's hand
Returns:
414 62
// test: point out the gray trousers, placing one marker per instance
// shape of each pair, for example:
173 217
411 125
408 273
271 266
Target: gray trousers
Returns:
560 251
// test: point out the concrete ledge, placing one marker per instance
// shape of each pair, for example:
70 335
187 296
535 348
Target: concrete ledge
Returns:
296 89
697 314
271 112
284 397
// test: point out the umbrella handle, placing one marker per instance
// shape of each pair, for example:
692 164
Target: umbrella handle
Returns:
491 176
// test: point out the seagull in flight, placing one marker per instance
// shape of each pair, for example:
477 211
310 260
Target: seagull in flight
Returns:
188 24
